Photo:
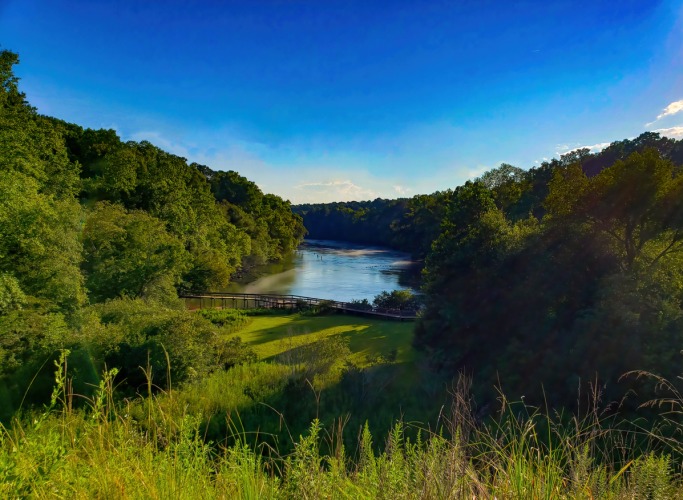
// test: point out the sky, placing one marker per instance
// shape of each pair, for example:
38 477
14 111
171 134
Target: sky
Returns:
321 101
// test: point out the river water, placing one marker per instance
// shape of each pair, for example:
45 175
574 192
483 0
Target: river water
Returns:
337 271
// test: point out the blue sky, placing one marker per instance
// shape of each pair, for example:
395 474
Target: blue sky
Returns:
337 100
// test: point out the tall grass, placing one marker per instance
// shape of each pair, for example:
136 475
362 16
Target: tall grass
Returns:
140 449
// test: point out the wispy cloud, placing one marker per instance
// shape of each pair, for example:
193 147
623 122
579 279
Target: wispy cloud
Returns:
671 132
403 191
671 109
336 190
594 148
473 173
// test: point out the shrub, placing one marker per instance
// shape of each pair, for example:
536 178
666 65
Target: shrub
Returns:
397 299
236 352
360 305
231 319
174 343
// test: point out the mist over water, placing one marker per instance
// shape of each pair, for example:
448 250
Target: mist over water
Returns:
338 271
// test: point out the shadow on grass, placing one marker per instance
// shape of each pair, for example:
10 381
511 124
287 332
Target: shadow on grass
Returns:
367 336
379 394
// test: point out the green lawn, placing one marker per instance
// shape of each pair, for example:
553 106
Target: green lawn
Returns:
368 337
387 380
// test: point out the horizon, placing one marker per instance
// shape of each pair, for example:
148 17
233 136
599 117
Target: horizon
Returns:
347 101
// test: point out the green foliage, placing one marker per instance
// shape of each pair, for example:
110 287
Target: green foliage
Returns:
156 446
232 319
268 220
361 305
360 222
235 352
10 95
152 224
632 203
652 476
47 163
130 254
29 339
175 345
39 241
11 295
591 290
29 334
397 299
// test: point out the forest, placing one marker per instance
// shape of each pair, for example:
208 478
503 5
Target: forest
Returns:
86 219
547 294
544 280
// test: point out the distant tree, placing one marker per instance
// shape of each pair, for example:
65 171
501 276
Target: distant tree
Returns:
396 299
361 304
508 184
502 175
10 96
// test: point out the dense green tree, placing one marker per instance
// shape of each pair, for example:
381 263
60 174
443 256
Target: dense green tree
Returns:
235 189
507 183
10 95
39 241
585 294
634 202
80 210
396 299
130 253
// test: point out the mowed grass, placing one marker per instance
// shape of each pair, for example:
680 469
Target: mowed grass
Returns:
368 338
380 354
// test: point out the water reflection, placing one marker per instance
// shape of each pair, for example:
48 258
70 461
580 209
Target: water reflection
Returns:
339 271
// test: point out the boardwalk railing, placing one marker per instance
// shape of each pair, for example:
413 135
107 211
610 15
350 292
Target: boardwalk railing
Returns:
274 301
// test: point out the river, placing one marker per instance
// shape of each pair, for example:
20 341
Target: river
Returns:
337 270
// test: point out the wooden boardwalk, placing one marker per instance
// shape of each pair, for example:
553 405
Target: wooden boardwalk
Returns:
222 300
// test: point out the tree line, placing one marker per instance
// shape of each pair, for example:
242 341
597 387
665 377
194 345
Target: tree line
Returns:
412 224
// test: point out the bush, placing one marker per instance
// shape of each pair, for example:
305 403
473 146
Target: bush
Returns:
171 342
232 319
29 339
360 305
323 308
236 352
397 299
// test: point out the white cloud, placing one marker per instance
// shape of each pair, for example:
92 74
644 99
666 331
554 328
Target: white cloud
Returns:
598 147
403 191
473 173
594 148
671 132
335 190
671 109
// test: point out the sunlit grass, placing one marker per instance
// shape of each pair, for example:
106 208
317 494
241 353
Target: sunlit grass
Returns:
368 338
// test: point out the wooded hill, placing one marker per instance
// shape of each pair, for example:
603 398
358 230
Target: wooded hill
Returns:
545 281
86 218
106 206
